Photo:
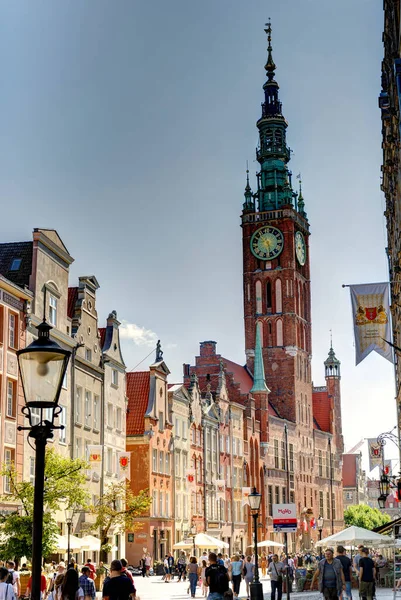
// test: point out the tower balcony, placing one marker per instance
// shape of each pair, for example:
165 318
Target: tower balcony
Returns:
273 151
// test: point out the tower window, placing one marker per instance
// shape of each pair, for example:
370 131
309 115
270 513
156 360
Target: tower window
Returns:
279 333
279 296
258 292
268 295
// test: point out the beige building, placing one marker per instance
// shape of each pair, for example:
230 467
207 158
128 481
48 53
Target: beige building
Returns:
93 397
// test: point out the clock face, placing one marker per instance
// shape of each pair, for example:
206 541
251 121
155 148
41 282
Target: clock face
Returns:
267 243
300 248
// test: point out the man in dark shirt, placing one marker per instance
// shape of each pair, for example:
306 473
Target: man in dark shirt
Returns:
118 586
367 574
347 570
213 580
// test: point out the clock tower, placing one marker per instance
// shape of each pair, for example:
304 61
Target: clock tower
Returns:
276 265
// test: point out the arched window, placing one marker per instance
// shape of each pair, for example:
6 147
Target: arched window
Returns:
305 302
300 300
258 297
279 296
269 335
268 295
279 333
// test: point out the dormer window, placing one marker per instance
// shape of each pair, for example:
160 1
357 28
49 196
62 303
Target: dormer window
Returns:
15 264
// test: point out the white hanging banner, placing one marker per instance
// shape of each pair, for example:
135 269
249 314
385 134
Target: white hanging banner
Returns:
191 478
124 465
371 318
375 453
245 495
220 489
95 459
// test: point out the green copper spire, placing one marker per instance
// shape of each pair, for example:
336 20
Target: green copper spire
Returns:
259 382
301 202
249 203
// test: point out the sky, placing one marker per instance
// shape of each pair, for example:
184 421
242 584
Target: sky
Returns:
126 126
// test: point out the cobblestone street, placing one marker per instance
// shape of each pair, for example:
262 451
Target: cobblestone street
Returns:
153 588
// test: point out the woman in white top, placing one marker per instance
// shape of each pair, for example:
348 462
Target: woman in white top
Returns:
69 589
6 589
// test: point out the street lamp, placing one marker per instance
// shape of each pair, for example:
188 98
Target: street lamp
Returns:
387 481
69 517
193 533
254 499
320 523
42 367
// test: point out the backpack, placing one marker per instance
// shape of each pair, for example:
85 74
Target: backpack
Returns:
220 579
10 577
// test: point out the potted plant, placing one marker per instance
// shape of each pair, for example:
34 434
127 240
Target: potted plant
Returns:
99 579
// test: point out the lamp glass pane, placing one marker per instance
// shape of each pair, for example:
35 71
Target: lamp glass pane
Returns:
42 374
254 500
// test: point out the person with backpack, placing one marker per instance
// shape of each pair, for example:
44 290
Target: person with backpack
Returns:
216 578
13 578
6 589
276 571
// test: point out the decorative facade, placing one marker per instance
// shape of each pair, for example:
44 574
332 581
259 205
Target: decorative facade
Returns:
93 395
389 103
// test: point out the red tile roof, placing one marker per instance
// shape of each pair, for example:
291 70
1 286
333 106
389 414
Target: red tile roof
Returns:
102 334
240 375
349 470
138 384
72 298
322 410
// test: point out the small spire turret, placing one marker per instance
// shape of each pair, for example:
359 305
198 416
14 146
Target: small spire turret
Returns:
270 66
259 380
249 203
301 202
332 364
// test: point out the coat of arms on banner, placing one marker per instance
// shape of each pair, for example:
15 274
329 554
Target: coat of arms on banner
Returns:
375 453
371 316
124 461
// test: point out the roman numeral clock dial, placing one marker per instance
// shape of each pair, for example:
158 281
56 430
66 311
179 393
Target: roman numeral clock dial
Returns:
300 248
267 243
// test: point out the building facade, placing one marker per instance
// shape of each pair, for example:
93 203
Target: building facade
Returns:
354 481
93 395
389 103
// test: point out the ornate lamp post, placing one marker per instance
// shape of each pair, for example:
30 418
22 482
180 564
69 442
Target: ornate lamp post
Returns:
254 503
69 517
193 534
320 523
42 366
387 482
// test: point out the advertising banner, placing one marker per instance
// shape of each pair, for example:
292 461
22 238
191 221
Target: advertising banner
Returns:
220 489
124 465
95 459
375 453
285 518
245 493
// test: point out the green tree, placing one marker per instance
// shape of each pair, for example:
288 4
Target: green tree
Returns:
363 515
65 486
118 509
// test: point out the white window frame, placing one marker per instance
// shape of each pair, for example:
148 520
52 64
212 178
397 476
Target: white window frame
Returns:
63 421
96 404
78 404
114 377
88 354
8 459
10 398
88 406
12 322
32 469
110 416
52 310
154 460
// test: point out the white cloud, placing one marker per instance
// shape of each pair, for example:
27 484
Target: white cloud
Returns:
137 334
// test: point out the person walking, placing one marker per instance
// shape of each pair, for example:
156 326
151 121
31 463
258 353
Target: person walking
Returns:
276 570
236 574
203 577
10 564
69 588
263 564
125 571
331 576
216 578
148 563
193 575
91 568
367 574
248 572
347 570
87 584
6 589
118 586
182 567
43 586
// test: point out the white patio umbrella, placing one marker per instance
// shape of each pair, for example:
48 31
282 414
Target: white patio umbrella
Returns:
62 543
270 544
352 536
202 540
90 542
